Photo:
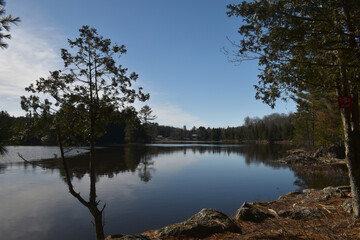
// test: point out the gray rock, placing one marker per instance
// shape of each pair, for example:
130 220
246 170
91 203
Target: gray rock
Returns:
298 159
284 213
345 188
307 201
248 212
127 237
325 198
347 205
297 192
301 213
333 151
308 191
203 224
316 200
263 203
305 213
335 191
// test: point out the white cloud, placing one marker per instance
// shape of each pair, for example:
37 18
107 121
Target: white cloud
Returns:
30 55
173 115
170 164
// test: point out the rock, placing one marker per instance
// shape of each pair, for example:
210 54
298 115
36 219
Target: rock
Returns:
263 203
325 198
127 237
284 213
334 191
297 192
345 188
347 205
303 159
308 191
322 198
203 224
307 201
296 151
332 151
248 212
305 213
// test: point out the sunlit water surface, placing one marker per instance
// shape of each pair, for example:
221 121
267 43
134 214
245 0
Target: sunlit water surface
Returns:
144 187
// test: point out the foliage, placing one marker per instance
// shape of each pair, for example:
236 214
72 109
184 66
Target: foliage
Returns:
86 91
5 130
84 96
5 22
273 127
318 120
298 43
146 114
302 44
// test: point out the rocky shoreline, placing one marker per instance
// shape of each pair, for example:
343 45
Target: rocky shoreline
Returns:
306 214
332 155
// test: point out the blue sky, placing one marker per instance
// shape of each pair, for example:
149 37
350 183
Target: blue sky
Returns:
174 46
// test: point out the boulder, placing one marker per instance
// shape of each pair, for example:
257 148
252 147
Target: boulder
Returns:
302 159
335 191
303 213
332 151
203 224
347 205
127 237
308 191
248 212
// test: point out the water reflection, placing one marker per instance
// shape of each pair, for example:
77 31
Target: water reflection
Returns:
146 168
319 177
112 161
92 204
147 187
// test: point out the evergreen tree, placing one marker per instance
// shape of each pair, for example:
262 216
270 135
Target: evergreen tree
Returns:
302 43
5 22
83 97
5 130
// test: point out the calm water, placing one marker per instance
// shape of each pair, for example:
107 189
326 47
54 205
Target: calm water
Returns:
144 187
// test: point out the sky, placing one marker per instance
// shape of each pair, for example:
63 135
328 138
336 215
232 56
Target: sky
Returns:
174 46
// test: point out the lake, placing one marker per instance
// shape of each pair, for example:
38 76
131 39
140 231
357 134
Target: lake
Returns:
143 187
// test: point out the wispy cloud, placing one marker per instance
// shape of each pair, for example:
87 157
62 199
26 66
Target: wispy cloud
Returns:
29 56
172 115
32 54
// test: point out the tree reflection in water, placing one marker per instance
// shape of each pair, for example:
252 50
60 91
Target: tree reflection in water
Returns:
92 204
146 166
111 161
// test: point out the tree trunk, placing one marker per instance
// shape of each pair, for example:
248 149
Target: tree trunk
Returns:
350 119
98 222
92 204
97 214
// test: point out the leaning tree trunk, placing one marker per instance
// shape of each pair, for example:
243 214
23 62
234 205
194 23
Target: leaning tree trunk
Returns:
350 120
92 204
98 222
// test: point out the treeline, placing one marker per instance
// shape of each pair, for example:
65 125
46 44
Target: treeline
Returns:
274 127
317 122
130 126
127 126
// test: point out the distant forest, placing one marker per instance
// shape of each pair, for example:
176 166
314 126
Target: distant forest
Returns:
312 125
